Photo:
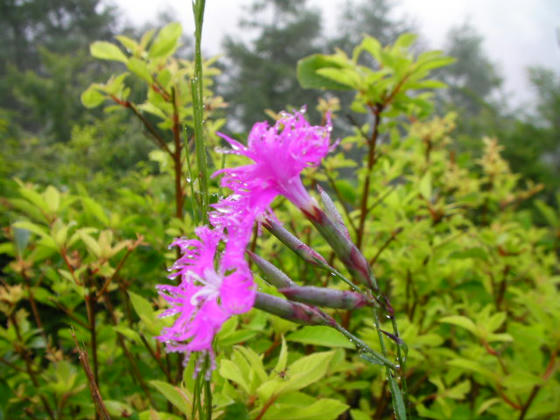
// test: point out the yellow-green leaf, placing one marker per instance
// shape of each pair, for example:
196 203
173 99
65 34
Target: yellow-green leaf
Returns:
106 51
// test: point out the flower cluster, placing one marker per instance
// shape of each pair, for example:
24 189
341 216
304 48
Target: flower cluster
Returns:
215 284
279 154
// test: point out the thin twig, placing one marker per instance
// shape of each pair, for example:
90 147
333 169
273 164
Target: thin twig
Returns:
159 141
101 410
110 279
135 371
90 309
372 143
156 358
381 198
70 314
385 245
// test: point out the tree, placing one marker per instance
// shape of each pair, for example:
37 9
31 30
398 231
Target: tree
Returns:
473 79
45 56
263 72
371 17
533 141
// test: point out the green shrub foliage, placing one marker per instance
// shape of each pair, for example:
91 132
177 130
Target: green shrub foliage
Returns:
472 280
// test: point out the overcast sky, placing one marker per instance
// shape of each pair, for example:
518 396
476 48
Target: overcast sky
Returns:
518 33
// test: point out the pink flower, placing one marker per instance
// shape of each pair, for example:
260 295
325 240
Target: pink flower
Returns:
280 153
210 291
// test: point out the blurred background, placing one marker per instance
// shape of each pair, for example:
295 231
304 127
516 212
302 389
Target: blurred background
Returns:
505 82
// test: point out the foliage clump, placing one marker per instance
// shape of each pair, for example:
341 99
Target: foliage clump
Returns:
459 264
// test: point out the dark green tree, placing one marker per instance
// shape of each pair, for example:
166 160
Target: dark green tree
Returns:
372 17
473 79
44 60
533 141
262 73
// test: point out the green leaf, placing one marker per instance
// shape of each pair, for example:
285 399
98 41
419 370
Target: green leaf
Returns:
369 44
52 198
323 409
93 208
473 366
106 51
548 212
320 336
34 197
487 404
31 227
21 239
309 78
495 321
425 84
425 186
231 371
91 97
397 398
255 362
236 338
141 305
282 357
118 409
459 391
461 321
405 40
90 243
28 209
174 395
346 77
130 44
128 333
166 41
307 370
499 337
476 252
8 247
139 68
152 109
236 411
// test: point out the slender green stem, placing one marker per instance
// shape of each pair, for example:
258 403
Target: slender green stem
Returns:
207 395
402 361
363 347
196 396
190 181
198 112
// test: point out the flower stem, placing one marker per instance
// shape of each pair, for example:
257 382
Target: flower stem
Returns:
198 108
